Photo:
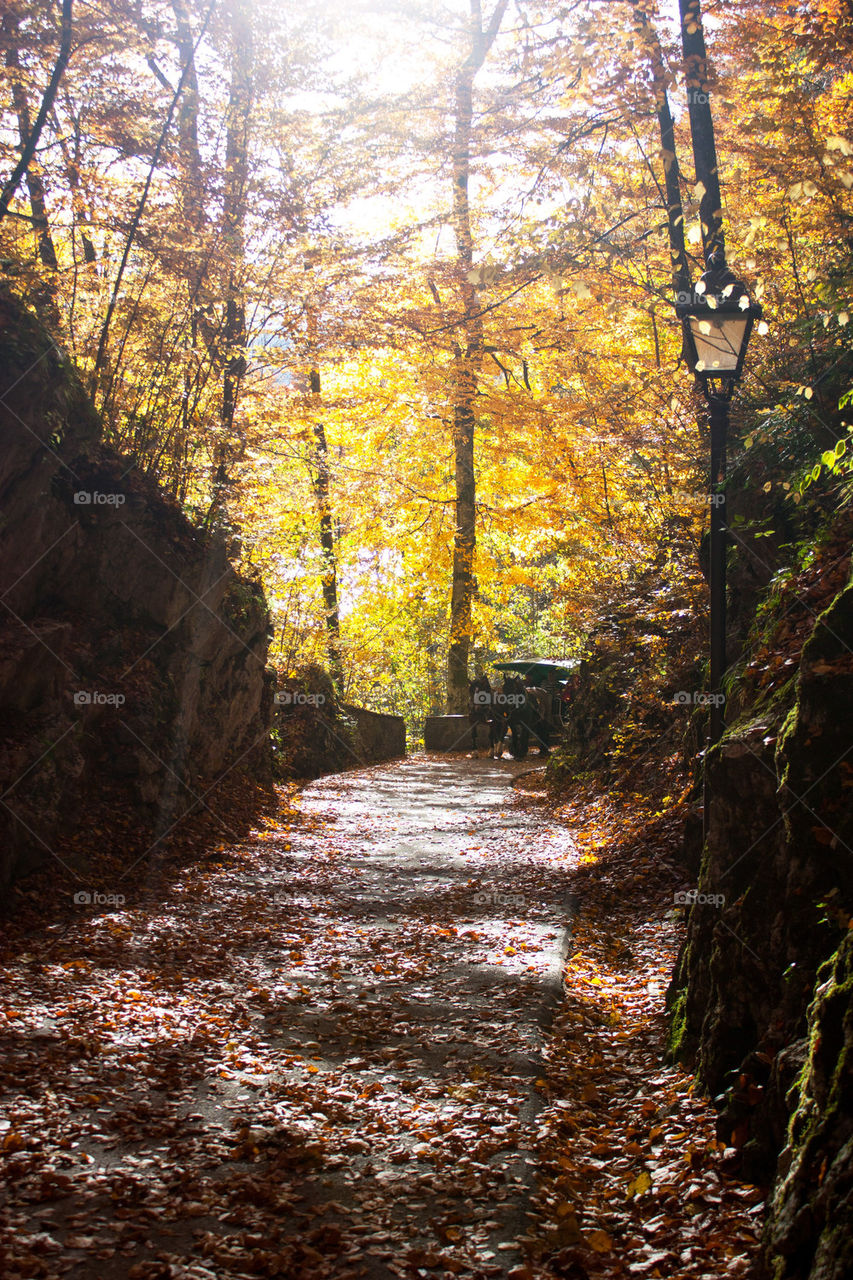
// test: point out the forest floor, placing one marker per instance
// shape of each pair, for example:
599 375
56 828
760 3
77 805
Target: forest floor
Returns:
412 1027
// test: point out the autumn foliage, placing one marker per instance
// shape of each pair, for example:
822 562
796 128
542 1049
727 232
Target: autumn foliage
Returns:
332 272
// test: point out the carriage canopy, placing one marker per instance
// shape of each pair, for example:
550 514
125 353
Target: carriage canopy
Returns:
538 669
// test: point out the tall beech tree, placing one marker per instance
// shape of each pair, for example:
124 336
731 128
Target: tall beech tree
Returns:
231 349
467 357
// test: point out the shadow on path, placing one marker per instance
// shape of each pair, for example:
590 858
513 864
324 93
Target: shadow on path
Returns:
318 1059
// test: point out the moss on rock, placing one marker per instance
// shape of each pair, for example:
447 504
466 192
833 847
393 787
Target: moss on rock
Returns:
807 1234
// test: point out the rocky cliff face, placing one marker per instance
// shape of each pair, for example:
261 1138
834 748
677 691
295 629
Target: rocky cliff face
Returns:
132 656
808 1226
762 999
762 995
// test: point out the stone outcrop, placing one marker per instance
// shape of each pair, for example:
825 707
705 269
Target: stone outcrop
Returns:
132 655
379 736
761 1000
761 1003
808 1227
315 733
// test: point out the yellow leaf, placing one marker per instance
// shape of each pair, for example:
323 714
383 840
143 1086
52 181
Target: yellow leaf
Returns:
640 1185
599 1241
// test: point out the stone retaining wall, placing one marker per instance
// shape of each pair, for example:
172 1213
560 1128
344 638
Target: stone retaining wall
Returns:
452 733
381 736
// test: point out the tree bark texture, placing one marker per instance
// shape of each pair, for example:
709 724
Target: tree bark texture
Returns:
233 219
672 174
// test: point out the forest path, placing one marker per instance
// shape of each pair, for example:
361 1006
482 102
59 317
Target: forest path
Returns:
321 1056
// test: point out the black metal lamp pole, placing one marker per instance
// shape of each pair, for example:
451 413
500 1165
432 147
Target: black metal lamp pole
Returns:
717 574
717 320
717 317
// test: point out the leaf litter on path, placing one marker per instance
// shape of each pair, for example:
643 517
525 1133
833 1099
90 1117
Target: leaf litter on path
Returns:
325 1053
633 1181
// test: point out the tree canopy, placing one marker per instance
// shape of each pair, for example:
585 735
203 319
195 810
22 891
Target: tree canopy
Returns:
387 288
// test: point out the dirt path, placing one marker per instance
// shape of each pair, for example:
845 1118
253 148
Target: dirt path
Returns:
320 1056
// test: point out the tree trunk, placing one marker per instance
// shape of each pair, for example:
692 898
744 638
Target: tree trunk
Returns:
103 341
71 164
702 128
329 576
30 134
192 194
672 174
233 218
31 173
193 218
467 355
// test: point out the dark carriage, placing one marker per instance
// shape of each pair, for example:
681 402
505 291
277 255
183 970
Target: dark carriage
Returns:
540 706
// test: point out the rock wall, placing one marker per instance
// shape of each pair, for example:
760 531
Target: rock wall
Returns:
761 999
761 1003
808 1227
314 733
132 656
453 733
379 736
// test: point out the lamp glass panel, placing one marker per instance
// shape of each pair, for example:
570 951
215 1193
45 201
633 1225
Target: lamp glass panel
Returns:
718 341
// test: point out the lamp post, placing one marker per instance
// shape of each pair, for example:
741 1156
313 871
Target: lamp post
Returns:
717 320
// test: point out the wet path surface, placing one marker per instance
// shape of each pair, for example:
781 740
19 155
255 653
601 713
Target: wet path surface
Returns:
321 1057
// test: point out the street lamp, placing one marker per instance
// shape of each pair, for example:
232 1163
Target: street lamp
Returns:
717 320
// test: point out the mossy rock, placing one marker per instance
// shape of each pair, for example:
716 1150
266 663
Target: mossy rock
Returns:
807 1235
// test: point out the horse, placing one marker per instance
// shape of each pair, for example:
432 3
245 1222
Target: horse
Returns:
528 717
486 706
